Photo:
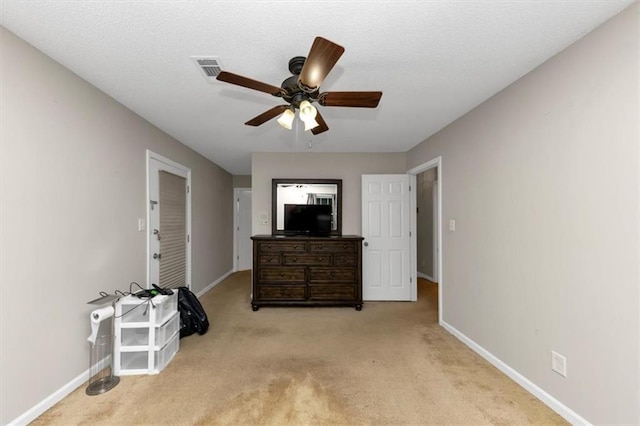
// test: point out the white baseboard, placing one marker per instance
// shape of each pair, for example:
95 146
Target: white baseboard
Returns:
35 411
568 414
426 277
213 284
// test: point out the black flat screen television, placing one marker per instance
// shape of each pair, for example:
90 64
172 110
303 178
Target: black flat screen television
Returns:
307 219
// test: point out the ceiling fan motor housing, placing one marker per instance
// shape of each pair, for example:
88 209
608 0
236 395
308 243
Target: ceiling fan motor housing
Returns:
296 63
294 94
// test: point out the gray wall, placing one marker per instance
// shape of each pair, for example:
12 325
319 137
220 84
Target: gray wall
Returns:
72 188
346 166
542 180
242 181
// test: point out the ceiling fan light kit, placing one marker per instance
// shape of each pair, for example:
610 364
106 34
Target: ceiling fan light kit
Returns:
307 111
310 124
286 119
308 115
303 88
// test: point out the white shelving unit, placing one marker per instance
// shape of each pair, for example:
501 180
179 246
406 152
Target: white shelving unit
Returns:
146 337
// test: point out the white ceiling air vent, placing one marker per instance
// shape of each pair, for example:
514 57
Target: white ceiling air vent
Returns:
209 65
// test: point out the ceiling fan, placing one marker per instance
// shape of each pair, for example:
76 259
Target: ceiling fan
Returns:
303 88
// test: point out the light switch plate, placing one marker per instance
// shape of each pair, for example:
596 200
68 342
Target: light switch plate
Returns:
264 218
452 225
141 225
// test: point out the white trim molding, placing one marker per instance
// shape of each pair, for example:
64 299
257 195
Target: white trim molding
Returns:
57 396
436 162
213 284
38 409
426 277
567 413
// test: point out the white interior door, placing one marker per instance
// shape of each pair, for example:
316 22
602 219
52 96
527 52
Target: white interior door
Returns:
386 265
244 248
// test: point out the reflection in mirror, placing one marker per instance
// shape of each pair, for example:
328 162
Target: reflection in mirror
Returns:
294 194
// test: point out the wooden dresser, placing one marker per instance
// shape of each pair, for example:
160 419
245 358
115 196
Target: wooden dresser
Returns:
313 271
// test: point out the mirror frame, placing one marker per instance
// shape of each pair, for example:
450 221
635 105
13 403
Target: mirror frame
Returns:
274 201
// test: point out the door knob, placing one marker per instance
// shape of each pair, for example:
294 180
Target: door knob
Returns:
366 244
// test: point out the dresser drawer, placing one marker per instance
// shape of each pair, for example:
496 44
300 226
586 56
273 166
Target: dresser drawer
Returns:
332 292
278 246
307 259
345 259
268 292
281 274
332 246
342 275
269 259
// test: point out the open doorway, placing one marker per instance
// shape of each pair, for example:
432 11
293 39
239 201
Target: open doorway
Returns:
426 230
242 244
169 222
426 226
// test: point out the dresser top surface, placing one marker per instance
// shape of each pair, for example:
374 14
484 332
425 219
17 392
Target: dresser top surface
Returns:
306 237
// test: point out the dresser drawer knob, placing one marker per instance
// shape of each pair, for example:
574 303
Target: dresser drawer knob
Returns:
282 274
295 259
344 259
320 258
295 246
319 246
344 246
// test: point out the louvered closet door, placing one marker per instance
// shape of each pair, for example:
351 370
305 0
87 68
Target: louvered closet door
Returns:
173 230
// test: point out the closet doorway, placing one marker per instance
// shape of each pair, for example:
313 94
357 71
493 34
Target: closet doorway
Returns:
169 222
243 249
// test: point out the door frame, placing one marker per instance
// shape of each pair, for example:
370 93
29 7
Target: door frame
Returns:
177 169
436 218
236 193
436 162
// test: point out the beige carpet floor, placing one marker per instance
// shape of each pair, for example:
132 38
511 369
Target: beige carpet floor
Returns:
391 363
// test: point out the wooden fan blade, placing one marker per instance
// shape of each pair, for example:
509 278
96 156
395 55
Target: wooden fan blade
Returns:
267 115
321 58
350 99
239 80
322 125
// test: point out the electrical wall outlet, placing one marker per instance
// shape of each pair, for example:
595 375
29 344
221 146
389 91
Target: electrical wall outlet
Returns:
559 363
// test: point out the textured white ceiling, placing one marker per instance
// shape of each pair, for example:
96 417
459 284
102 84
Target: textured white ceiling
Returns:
434 61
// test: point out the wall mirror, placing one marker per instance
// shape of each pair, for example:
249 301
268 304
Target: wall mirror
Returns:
306 207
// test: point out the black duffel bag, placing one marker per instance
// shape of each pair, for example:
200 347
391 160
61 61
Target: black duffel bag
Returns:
193 318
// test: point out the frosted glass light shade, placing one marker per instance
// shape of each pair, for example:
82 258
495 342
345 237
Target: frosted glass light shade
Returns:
286 119
310 123
307 110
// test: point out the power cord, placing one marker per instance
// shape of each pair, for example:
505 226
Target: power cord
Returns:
142 295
